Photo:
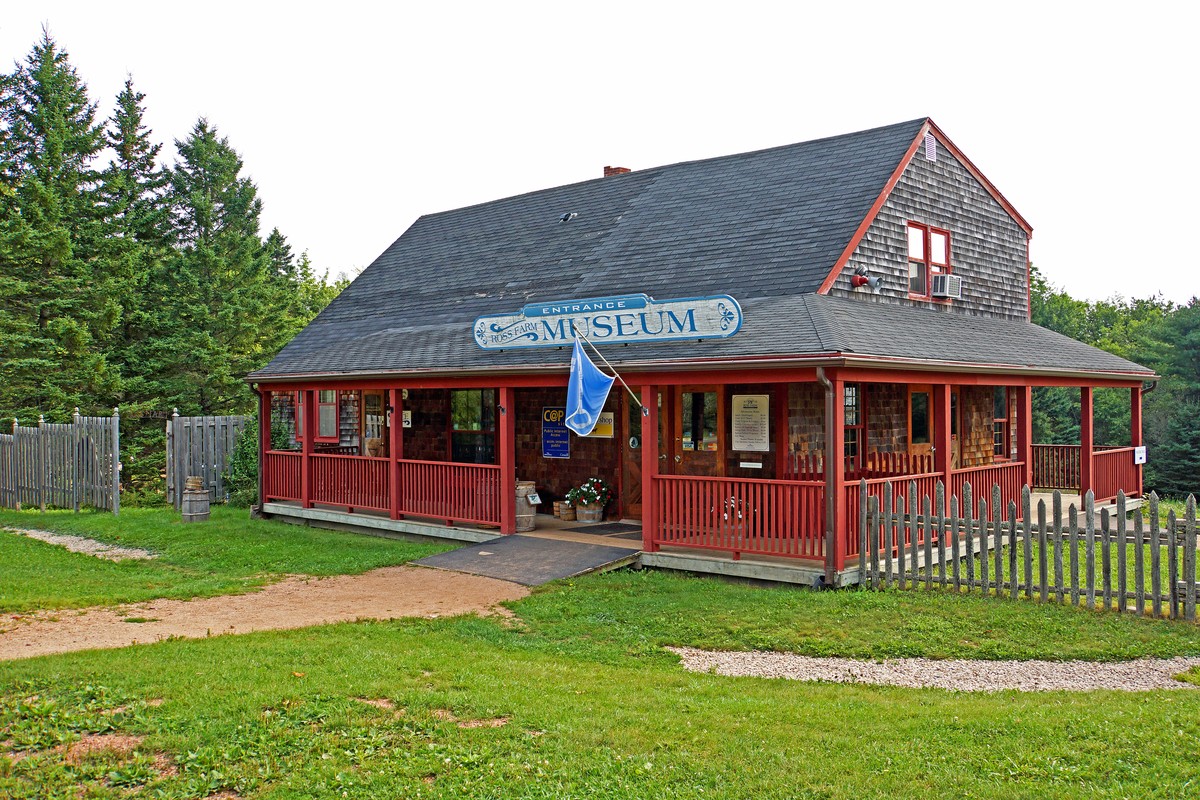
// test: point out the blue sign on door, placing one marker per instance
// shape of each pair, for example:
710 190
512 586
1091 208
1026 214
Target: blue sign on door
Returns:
556 437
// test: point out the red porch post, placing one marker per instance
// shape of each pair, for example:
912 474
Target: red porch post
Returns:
941 432
508 461
306 447
781 431
835 476
1135 429
1086 439
395 449
650 509
264 441
1025 432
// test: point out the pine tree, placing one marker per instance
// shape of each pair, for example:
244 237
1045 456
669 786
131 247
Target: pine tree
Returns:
215 292
58 297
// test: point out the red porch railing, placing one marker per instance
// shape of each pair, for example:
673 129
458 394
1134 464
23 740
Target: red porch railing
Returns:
1113 470
740 515
450 491
1010 477
351 481
281 475
1055 466
926 486
811 466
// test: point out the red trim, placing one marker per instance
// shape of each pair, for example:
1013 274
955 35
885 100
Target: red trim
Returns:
506 410
306 450
650 510
315 422
1086 441
1025 430
865 225
394 414
1135 427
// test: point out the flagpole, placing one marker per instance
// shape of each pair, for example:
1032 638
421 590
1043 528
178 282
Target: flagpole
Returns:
636 399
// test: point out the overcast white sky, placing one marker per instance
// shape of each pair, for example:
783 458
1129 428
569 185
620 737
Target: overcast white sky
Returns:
355 118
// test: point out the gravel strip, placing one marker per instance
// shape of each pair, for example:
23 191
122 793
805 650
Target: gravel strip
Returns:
1142 675
80 544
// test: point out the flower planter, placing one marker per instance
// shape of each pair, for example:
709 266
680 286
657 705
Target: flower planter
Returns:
590 513
567 513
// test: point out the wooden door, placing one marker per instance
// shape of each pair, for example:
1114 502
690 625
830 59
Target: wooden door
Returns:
920 426
631 452
699 431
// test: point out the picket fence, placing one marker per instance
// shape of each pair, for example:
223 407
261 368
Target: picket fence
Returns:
69 465
199 447
1068 560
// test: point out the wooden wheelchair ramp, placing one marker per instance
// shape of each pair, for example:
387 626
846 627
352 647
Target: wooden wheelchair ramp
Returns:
531 560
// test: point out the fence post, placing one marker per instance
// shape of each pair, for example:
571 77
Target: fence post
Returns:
1189 559
75 459
16 475
41 463
116 461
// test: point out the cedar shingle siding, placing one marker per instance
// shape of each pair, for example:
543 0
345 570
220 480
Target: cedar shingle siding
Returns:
987 247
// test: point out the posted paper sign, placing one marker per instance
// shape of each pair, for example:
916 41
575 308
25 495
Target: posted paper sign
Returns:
751 422
556 438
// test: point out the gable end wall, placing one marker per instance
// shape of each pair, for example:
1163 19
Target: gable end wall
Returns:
988 248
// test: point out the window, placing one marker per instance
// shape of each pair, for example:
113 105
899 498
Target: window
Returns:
928 255
473 426
919 427
1000 423
699 420
855 426
327 416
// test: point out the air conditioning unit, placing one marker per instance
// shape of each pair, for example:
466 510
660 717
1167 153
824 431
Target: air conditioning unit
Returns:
947 286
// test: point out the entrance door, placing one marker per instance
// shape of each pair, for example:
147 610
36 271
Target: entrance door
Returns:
920 426
631 452
699 434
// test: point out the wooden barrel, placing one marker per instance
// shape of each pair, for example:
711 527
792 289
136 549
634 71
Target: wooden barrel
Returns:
195 500
590 513
525 509
567 512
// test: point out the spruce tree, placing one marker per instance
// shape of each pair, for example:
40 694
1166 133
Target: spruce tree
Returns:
215 292
59 297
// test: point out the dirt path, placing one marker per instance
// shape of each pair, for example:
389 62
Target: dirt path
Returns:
295 602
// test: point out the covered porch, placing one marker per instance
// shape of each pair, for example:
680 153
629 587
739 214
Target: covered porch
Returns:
763 465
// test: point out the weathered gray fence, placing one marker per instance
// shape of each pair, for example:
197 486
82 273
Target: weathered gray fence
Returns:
62 465
1068 560
200 447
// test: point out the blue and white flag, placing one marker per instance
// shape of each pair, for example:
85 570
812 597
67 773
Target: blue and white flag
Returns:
586 392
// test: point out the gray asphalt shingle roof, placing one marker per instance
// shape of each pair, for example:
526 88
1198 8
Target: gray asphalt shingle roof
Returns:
765 227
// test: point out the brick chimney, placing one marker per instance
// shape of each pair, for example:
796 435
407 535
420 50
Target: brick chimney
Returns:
610 171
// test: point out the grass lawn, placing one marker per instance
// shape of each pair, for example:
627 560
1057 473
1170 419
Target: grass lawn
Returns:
229 553
577 699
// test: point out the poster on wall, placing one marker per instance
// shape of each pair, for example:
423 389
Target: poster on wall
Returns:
751 422
556 436
604 427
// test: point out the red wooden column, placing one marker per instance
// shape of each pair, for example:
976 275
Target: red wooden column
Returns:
264 441
1025 432
306 447
508 461
1086 440
941 432
395 449
836 522
1135 429
650 510
781 431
